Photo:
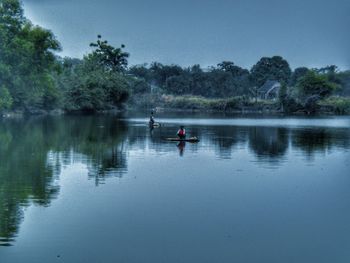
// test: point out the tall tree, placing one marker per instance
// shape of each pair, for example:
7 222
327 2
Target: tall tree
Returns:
27 59
297 74
111 58
274 68
5 99
314 84
97 82
230 67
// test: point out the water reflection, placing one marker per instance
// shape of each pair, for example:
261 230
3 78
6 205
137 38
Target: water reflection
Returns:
311 141
268 144
25 173
227 138
33 153
181 146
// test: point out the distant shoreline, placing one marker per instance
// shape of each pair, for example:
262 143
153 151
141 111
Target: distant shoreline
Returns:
243 111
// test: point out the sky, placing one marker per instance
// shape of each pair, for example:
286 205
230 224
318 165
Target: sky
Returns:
312 33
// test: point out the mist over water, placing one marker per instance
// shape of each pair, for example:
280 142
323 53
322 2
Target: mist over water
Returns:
107 189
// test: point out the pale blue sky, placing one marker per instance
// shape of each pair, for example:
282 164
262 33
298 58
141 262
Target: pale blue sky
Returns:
311 33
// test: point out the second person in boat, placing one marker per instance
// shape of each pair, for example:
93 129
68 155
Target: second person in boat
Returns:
181 133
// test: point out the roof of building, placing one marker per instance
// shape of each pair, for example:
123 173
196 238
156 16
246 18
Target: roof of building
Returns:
269 85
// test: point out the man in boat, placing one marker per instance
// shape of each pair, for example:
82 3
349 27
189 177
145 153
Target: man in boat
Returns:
181 133
151 120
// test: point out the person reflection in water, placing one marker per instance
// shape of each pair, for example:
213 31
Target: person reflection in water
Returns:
151 128
181 147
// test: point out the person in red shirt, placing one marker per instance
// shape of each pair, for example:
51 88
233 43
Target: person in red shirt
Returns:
181 133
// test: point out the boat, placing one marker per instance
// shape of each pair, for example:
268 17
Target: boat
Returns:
155 124
191 139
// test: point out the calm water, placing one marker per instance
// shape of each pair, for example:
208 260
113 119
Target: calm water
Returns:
106 189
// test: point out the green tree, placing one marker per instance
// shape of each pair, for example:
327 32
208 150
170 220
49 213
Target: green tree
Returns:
94 83
297 74
198 82
332 74
26 58
315 84
140 86
282 94
5 99
313 87
160 73
114 59
141 71
240 78
288 102
274 68
230 67
178 85
345 83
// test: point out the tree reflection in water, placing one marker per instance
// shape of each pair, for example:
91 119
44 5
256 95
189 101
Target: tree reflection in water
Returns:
311 141
26 175
268 143
33 152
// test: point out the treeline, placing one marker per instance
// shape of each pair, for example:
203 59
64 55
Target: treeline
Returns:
27 61
302 88
33 79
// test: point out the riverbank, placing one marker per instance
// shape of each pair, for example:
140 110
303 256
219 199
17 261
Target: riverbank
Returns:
332 105
170 103
20 113
198 103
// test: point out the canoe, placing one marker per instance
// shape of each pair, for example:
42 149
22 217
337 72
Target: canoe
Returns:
156 124
192 139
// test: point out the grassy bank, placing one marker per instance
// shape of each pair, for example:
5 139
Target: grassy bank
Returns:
195 103
336 105
331 105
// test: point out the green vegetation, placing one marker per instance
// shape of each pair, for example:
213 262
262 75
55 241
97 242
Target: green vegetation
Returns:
26 60
5 98
195 88
225 80
95 83
275 68
339 105
315 84
194 103
33 79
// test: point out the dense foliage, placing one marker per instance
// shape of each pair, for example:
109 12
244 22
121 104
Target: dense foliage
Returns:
275 68
34 79
96 82
313 84
26 60
301 89
226 79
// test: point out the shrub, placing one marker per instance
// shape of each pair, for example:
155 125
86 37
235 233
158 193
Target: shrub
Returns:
5 98
340 105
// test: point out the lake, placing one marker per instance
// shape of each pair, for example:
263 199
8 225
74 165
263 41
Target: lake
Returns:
107 189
